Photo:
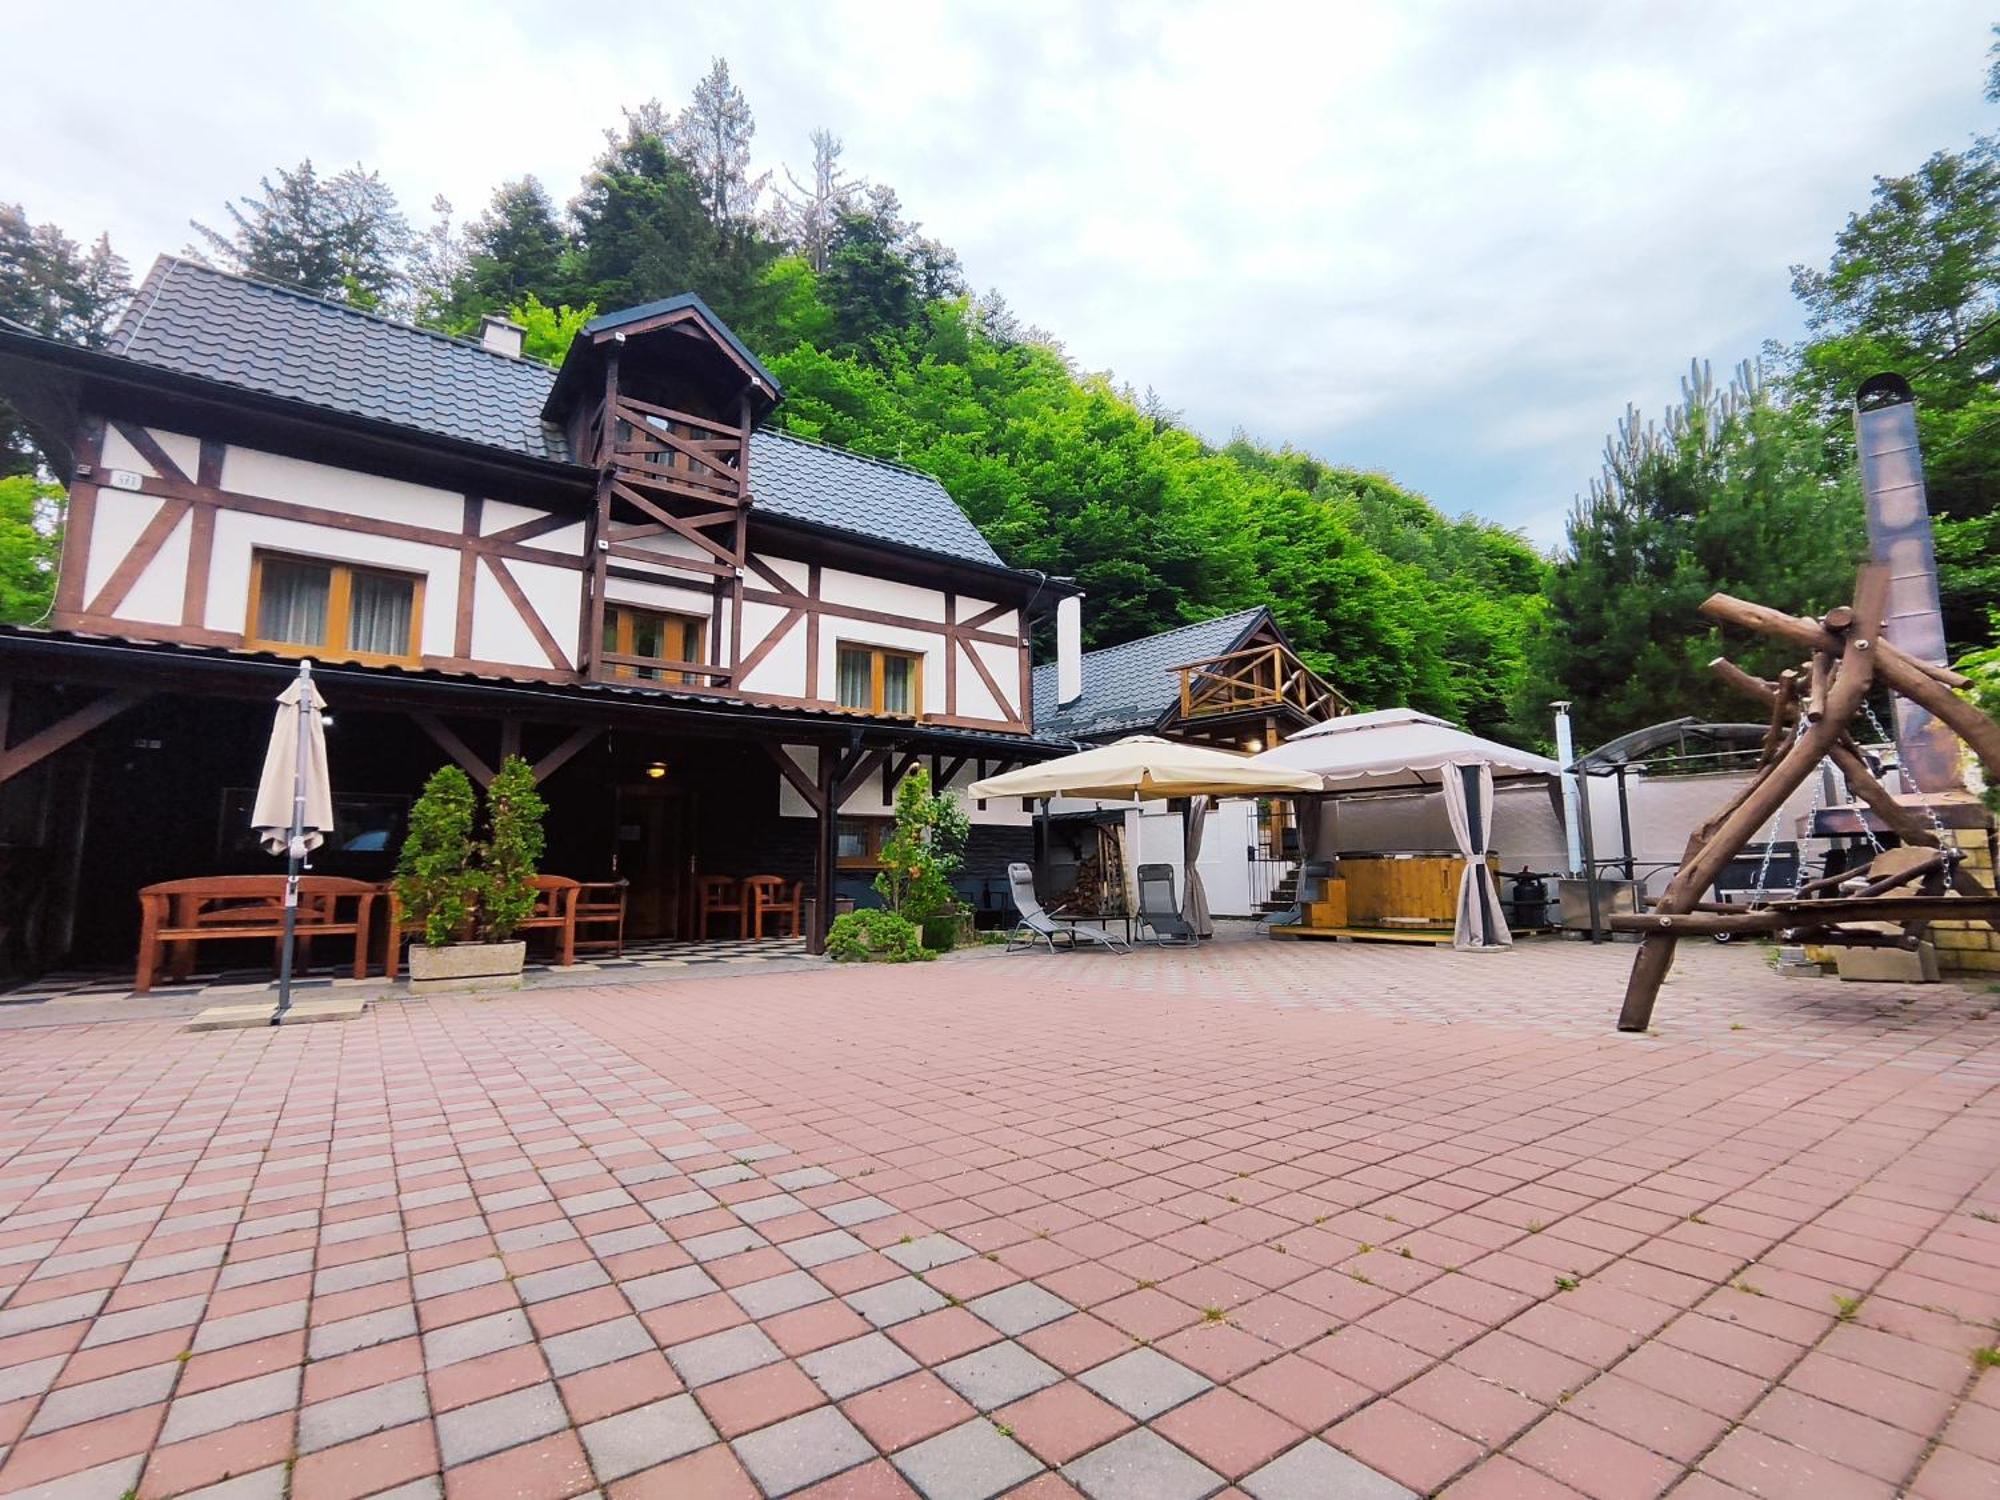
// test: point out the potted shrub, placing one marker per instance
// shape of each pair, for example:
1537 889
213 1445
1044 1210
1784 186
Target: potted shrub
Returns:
919 858
468 895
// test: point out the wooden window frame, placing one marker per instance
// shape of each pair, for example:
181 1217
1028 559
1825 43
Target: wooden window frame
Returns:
620 619
339 605
876 656
879 832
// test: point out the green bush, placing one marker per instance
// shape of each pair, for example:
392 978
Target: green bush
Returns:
459 888
513 846
875 936
941 933
435 879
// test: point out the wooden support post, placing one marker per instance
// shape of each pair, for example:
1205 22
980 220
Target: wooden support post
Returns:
72 727
826 863
1852 678
449 742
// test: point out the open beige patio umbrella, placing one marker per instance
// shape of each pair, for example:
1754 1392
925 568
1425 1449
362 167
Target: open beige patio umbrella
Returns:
294 809
1146 766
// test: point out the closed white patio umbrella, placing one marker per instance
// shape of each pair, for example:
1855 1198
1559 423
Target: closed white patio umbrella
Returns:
294 808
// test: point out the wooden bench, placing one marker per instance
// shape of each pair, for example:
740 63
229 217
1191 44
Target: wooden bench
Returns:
176 915
554 911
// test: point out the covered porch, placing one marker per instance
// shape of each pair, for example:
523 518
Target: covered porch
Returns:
124 765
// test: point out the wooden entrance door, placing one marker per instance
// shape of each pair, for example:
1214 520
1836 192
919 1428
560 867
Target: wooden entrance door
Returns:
656 854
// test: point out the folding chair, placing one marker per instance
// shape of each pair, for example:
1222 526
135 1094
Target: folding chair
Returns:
1034 925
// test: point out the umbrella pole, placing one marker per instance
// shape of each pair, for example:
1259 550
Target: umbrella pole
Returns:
294 846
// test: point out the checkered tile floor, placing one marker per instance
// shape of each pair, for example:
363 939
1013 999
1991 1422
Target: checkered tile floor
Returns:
640 958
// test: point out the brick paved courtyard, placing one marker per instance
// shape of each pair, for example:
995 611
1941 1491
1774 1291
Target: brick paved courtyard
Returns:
1271 1220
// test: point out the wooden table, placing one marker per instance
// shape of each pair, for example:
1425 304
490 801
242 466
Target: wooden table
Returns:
176 915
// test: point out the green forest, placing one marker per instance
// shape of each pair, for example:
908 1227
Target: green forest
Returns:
1746 484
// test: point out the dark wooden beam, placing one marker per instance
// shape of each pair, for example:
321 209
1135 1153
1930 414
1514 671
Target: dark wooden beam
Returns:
66 731
567 751
456 748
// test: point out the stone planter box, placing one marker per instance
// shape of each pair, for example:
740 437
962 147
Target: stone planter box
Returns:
466 966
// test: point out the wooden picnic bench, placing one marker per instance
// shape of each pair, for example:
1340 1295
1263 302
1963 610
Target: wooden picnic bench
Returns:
176 915
554 911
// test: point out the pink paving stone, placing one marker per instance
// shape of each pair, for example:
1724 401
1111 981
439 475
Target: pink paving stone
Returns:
1765 1467
367 1465
618 1386
1599 1463
344 1373
1406 1445
548 1469
242 1449
1063 1421
1481 1409
1230 1434
758 1398
1501 1478
906 1411
874 1481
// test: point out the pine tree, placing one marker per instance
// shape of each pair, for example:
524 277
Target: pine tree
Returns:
712 135
518 248
52 285
342 237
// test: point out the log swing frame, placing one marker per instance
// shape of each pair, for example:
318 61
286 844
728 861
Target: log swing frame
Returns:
1810 713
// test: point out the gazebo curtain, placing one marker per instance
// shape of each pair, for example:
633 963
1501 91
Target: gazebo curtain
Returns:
1194 905
1468 800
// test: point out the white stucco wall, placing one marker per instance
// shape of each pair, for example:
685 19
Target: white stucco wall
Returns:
867 801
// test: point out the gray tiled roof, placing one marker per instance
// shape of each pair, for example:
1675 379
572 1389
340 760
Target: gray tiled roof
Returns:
1127 688
848 492
198 321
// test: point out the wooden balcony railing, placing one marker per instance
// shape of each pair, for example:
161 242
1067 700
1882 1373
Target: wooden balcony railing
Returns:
1262 678
694 458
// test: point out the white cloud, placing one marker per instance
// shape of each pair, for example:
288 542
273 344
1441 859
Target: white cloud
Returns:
1448 242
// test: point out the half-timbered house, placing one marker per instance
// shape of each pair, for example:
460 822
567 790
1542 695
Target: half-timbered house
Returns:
720 646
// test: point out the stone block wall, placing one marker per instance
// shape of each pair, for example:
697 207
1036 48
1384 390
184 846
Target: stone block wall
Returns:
1970 948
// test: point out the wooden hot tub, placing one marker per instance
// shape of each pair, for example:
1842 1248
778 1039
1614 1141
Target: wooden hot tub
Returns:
1395 897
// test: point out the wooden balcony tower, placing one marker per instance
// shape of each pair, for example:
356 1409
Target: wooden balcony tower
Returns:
1256 694
662 405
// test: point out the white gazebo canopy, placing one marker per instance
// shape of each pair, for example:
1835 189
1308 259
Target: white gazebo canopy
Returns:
1400 749
1396 749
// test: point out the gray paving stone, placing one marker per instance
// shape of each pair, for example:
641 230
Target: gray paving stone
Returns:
804 1450
597 1202
432 1235
971 1461
113 1327
1144 1383
646 1436
459 1278
819 1249
364 1332
804 1177
226 1405
531 1236
504 1422
696 1112
599 1344
717 1356
722 1242
1142 1465
763 1151
1019 1309
104 1398
264 1268
680 1205
520 1197
431 1487
49 1314
374 1409
928 1253
858 1211
993 1376
716 1177
463 1341
891 1302
857 1365
244 1328
1317 1471
776 1206
264 1484
31 1379
664 1288
84 1260
776 1294
361 1273
636 1237
580 1276
105 1482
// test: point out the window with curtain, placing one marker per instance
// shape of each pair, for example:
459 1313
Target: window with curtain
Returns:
654 636
334 610
872 679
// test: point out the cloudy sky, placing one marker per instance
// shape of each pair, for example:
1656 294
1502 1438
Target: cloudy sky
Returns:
1449 242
